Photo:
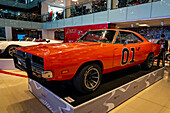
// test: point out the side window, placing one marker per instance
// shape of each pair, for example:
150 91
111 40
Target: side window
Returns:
127 37
136 38
123 37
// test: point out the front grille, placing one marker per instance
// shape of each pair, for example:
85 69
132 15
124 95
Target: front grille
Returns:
37 63
38 60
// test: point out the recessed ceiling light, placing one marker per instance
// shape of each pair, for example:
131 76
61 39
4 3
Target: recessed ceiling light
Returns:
143 25
162 23
74 0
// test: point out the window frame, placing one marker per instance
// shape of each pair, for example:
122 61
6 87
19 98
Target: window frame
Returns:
131 33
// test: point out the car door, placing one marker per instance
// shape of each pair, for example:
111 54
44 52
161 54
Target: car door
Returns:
140 48
125 50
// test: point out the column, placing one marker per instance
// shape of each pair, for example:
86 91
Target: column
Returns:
44 8
67 3
50 34
44 33
109 4
8 32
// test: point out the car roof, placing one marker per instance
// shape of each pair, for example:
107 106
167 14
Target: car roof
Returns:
113 29
123 30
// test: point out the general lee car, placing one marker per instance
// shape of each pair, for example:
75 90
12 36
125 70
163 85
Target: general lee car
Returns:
84 61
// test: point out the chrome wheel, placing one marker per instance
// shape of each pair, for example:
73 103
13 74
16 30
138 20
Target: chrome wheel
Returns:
11 50
91 78
168 57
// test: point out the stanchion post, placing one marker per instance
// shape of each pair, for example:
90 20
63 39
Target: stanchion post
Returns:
169 71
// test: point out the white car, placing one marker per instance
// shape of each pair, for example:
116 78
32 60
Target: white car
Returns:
8 47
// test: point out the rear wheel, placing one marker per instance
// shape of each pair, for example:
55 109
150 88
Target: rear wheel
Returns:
88 78
148 63
168 57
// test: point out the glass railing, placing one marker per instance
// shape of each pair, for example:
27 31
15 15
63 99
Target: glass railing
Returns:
20 16
86 8
127 3
21 1
72 11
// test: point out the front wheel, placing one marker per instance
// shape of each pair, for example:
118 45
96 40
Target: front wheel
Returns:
148 63
88 78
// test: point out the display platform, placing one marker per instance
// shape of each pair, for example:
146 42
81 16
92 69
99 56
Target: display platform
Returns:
7 64
116 87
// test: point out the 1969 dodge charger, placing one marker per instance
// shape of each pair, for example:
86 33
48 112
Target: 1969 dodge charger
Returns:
84 61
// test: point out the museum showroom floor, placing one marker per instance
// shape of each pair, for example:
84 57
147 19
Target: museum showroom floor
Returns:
16 98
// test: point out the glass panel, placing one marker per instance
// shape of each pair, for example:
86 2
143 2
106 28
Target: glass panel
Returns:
126 3
136 39
102 36
99 5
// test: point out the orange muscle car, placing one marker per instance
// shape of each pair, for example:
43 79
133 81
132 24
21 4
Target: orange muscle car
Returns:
84 61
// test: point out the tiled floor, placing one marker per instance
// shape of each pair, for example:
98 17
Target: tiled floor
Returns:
15 97
154 99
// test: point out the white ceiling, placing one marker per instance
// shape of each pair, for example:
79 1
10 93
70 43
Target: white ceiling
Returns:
55 2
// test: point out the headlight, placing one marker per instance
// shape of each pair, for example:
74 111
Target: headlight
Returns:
47 74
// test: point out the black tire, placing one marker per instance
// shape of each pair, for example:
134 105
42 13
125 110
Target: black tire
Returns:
10 50
88 78
148 63
168 57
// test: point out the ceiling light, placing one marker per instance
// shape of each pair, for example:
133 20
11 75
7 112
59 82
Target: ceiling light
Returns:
74 0
143 25
162 23
62 4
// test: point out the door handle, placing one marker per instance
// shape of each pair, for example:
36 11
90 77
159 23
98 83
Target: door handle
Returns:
137 48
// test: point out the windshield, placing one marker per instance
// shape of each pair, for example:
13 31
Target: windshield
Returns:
102 36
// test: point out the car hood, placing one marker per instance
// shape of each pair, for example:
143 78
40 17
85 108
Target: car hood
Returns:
52 49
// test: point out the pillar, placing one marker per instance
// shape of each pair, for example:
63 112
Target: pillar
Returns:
8 32
109 4
44 8
44 33
50 34
67 3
